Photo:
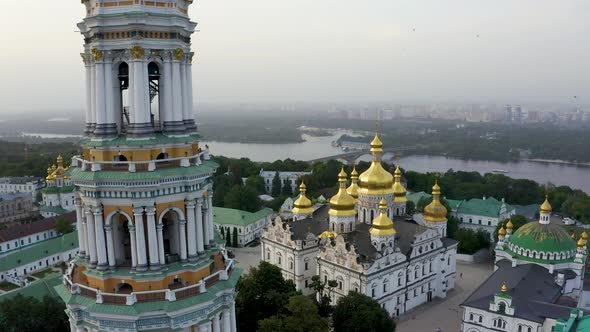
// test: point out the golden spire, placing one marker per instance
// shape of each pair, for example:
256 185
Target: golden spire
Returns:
581 243
504 288
399 192
353 189
435 211
382 225
60 161
546 206
342 204
302 204
49 170
509 225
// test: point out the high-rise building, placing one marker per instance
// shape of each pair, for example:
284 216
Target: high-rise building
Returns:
149 258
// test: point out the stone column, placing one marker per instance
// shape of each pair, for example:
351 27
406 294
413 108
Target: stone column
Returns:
100 96
85 237
216 325
110 114
139 94
91 237
100 240
226 321
80 227
88 68
199 222
232 312
191 230
205 327
140 239
110 246
153 239
177 109
161 254
133 245
189 94
182 230
206 228
210 219
92 97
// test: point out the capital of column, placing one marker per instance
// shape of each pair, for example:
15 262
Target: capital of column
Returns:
138 210
97 211
182 222
150 211
190 204
108 228
159 226
131 228
200 201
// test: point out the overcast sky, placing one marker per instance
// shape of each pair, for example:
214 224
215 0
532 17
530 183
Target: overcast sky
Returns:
269 51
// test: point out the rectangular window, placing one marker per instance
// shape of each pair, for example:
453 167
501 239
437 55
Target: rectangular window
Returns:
373 292
305 283
306 266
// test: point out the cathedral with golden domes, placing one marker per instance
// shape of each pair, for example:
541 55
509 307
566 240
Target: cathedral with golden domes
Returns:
365 241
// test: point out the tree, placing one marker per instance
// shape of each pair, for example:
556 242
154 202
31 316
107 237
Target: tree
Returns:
324 293
242 198
276 185
257 183
227 237
287 189
62 226
261 293
357 312
222 231
301 315
410 208
235 238
471 241
22 313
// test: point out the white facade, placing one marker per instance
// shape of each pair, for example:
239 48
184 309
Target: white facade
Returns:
26 184
286 178
248 225
16 207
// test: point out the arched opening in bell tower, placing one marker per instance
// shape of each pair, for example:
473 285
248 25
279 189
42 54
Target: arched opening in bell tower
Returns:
171 235
121 239
123 77
154 86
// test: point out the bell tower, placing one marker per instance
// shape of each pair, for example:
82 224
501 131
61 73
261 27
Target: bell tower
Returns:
149 257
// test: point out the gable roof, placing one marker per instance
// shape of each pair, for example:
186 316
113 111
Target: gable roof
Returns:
489 207
38 288
43 249
225 216
46 224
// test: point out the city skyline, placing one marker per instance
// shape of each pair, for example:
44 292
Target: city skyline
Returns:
306 52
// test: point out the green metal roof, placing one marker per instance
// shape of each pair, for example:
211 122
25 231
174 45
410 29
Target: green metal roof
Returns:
206 167
454 204
54 189
489 207
53 209
142 307
416 197
34 253
157 139
227 216
542 237
38 288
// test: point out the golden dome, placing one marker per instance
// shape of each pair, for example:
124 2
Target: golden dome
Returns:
376 180
501 232
504 288
435 211
399 192
382 225
49 170
509 225
328 234
53 167
353 189
584 236
60 160
581 243
302 204
546 206
342 204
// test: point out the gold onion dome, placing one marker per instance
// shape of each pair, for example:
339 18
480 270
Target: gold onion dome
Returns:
435 211
581 243
546 206
504 288
382 225
399 192
376 180
342 204
328 234
501 231
509 225
302 204
353 189
584 236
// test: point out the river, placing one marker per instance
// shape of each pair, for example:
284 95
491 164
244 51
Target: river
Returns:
318 147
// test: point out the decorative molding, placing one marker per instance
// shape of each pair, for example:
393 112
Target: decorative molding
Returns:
178 54
97 54
137 52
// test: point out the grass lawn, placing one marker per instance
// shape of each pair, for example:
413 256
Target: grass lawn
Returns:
6 286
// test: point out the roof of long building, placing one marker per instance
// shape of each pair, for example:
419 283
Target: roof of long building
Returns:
34 253
46 224
227 216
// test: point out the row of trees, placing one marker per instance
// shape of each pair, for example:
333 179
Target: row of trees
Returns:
266 302
231 238
22 313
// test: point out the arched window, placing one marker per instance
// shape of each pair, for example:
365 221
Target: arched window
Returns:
154 89
123 78
341 228
502 307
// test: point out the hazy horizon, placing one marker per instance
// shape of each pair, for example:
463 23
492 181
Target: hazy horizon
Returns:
269 52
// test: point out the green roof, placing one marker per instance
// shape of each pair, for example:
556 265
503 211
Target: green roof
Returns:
454 204
38 288
416 197
206 167
157 139
34 253
542 237
489 207
54 189
227 216
143 307
53 209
